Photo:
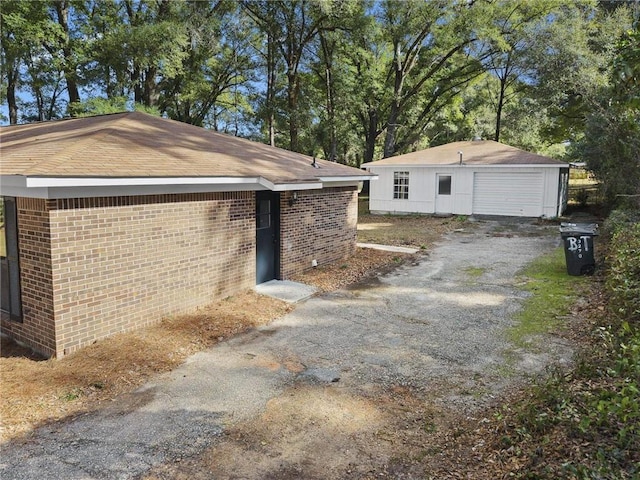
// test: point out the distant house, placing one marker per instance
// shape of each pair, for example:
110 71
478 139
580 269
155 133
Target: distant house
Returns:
479 177
114 221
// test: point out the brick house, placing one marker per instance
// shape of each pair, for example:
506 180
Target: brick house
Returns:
112 222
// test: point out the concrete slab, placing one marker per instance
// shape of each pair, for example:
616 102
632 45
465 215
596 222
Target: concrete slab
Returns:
388 248
286 290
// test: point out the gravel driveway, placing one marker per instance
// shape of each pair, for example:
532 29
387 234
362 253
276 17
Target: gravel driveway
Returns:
439 321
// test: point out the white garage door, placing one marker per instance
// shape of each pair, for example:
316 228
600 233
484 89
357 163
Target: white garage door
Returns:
513 194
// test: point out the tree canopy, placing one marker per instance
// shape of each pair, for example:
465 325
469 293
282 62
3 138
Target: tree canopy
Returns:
348 80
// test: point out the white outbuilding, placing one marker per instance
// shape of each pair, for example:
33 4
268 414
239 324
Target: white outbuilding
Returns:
478 177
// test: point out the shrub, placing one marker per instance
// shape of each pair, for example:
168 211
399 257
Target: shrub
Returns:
623 281
587 421
620 220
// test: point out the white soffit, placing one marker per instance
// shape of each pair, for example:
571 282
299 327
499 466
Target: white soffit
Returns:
70 187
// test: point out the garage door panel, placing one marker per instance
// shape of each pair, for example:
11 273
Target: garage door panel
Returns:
514 194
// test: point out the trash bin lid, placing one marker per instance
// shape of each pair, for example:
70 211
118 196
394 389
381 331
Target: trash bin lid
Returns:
579 228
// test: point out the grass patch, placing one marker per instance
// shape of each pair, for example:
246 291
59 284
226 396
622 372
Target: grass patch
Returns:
582 423
553 292
475 272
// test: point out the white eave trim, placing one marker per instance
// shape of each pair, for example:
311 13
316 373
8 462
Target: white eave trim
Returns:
285 187
80 187
368 167
354 178
252 183
61 182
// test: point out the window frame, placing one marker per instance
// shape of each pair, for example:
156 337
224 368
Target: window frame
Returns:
401 185
448 182
11 260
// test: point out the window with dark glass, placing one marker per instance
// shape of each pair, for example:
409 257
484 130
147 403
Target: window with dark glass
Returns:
401 185
10 301
263 214
444 185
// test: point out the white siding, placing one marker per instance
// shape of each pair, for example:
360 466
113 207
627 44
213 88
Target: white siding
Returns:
491 190
421 192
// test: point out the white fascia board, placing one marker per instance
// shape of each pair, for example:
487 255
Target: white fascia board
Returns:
70 187
58 182
466 165
287 187
81 187
530 165
354 178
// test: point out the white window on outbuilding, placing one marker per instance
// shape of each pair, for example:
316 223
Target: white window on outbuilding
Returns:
444 184
401 185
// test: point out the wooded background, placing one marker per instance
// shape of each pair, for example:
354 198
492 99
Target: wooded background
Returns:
346 80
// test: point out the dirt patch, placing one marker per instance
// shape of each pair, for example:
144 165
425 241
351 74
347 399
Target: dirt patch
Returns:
326 432
407 230
331 433
365 262
36 391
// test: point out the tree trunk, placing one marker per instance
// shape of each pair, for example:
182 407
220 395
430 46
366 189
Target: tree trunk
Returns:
62 11
390 137
137 85
392 123
330 94
499 109
12 78
503 76
271 88
333 138
150 87
292 105
371 135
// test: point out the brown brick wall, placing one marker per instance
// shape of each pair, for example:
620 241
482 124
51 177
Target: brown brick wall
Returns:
108 265
37 328
321 225
122 263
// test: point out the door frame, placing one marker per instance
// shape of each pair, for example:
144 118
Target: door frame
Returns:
274 226
10 261
449 197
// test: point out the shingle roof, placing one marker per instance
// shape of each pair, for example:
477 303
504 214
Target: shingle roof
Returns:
475 152
135 144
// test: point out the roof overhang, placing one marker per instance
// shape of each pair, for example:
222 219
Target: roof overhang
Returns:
370 165
80 187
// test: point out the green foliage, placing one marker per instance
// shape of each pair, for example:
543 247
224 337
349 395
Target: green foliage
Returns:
348 80
623 281
105 106
619 220
99 106
589 417
552 293
611 142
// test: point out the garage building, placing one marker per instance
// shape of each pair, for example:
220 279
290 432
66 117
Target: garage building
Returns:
478 177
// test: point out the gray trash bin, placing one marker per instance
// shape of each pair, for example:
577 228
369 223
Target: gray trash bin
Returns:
578 247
